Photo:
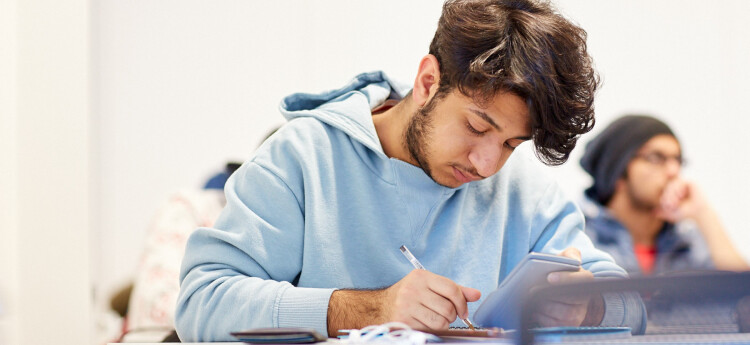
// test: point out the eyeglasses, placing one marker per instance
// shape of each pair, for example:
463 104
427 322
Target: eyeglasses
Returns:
657 158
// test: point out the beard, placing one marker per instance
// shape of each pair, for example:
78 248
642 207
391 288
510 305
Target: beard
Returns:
418 134
638 201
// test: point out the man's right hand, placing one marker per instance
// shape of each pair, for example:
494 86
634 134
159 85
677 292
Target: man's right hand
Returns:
422 300
425 300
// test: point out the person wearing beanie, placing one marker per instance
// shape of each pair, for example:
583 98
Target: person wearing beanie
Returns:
641 211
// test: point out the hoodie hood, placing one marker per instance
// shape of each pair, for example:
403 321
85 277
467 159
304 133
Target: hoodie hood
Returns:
348 108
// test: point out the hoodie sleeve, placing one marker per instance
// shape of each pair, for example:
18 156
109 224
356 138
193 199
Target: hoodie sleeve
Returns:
231 280
560 224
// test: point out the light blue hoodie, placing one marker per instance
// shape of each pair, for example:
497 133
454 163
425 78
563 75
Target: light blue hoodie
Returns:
320 206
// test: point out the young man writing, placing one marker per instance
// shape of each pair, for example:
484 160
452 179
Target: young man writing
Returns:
311 232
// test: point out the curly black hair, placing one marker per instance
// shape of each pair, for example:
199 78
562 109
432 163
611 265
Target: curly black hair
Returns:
525 47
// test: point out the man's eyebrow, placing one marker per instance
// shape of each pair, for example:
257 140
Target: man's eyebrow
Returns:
492 123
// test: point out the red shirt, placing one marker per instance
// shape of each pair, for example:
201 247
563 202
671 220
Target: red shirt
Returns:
646 256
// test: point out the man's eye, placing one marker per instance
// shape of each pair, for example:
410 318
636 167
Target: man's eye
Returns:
657 158
472 129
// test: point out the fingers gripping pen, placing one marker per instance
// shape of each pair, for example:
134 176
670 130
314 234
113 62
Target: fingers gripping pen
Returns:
419 266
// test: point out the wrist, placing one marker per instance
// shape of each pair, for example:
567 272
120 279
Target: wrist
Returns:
355 309
705 217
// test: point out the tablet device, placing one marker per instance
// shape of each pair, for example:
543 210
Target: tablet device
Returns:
501 308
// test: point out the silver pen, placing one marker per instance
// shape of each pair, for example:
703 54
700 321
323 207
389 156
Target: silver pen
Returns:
418 265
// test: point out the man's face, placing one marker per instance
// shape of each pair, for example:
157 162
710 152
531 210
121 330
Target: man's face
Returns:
456 141
656 163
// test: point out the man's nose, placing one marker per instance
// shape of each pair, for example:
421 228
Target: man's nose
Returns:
486 159
673 167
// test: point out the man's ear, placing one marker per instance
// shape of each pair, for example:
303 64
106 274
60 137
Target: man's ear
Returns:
427 81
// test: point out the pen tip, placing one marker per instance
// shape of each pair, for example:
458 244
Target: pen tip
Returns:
468 323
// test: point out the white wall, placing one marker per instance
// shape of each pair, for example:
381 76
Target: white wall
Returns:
45 282
8 175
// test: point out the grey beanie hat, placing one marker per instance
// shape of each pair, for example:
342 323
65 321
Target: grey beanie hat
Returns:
607 156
